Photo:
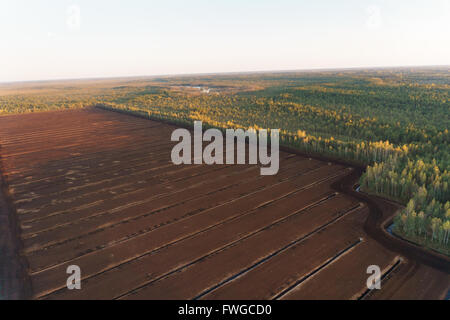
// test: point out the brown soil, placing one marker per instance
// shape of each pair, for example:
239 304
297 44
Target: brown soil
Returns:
97 189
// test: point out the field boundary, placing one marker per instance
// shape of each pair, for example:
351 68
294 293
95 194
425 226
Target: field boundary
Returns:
15 282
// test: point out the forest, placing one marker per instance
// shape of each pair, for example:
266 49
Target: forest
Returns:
394 121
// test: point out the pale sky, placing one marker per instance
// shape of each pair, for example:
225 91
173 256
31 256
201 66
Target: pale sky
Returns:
60 39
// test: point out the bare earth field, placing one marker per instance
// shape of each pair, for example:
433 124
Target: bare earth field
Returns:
97 189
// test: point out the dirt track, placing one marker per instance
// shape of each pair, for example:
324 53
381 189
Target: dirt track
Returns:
97 189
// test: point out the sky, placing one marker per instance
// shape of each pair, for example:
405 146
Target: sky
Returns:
67 39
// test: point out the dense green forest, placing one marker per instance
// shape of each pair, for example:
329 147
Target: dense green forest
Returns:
395 121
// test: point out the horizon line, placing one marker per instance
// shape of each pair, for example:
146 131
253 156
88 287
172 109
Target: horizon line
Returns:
169 75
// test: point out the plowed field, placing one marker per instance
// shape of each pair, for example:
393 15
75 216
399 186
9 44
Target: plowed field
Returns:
97 189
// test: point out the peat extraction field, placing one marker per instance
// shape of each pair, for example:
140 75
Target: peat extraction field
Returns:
97 189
